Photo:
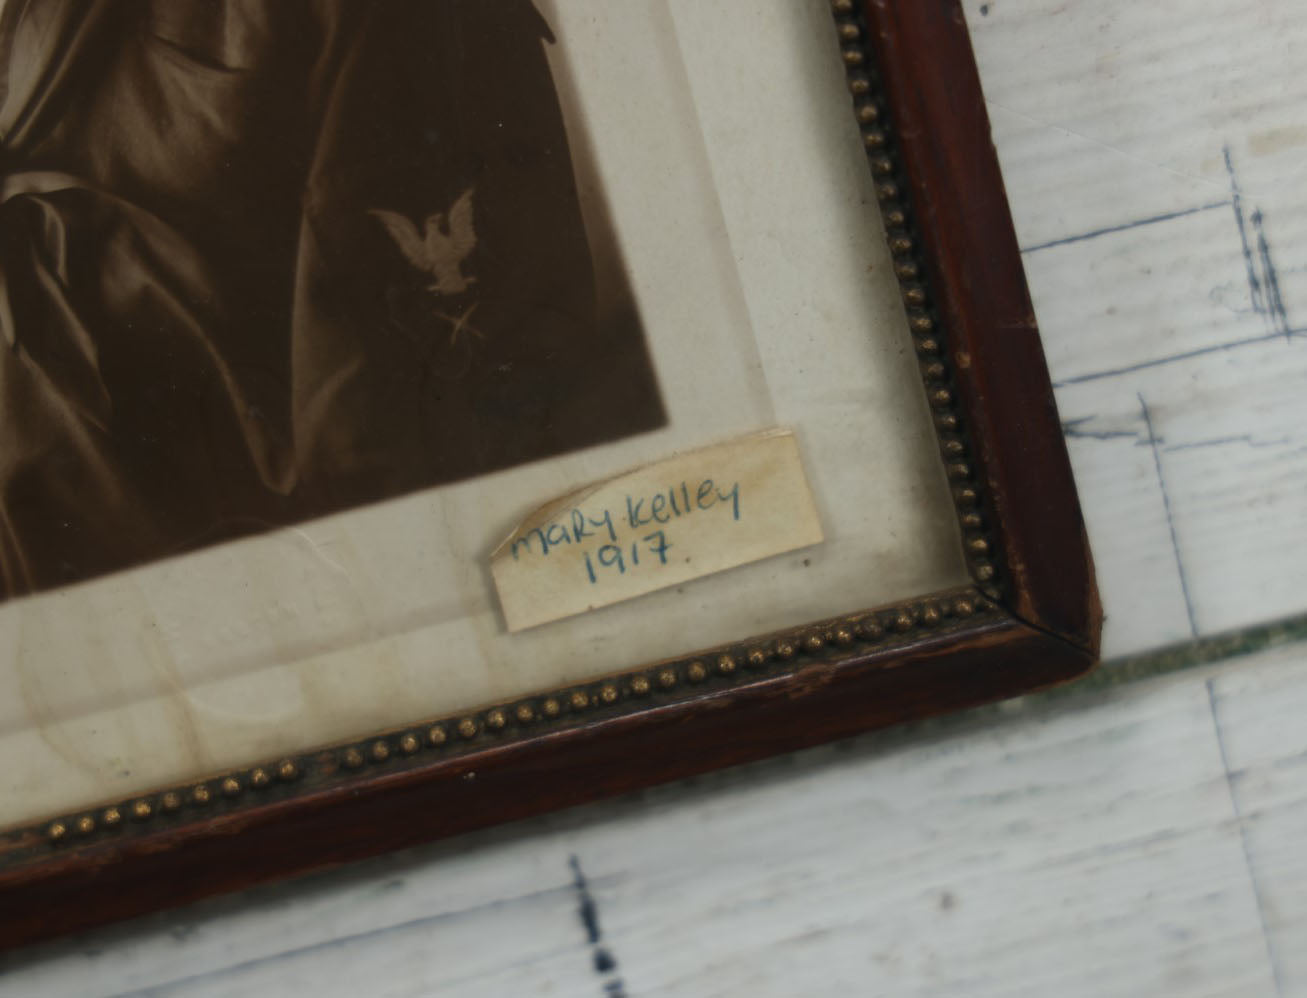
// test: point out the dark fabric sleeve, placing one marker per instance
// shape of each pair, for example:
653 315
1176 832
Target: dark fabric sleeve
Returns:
210 326
399 384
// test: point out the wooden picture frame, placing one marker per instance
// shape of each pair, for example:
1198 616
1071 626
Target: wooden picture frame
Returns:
1029 618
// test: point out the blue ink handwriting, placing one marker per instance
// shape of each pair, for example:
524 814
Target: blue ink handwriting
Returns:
599 531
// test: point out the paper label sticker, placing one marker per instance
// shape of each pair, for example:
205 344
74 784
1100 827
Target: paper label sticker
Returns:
655 526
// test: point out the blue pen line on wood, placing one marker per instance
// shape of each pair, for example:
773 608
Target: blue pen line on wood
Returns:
605 963
1125 226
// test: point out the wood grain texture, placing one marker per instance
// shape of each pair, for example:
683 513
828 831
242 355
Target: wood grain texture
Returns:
1154 172
1046 633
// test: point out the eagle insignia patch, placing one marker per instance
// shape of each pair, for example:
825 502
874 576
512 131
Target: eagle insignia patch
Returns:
441 248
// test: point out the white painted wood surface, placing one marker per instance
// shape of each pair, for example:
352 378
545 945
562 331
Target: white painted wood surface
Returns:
1148 840
1155 155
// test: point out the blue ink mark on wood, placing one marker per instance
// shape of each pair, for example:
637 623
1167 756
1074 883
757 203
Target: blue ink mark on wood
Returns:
605 963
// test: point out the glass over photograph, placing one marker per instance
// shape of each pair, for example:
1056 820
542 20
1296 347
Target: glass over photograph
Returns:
328 323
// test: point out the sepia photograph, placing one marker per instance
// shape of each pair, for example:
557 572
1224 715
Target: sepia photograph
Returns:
267 261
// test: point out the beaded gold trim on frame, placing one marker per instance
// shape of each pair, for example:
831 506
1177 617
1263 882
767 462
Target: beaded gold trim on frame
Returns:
415 745
827 642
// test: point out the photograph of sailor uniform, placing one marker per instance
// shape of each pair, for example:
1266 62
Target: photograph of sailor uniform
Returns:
262 261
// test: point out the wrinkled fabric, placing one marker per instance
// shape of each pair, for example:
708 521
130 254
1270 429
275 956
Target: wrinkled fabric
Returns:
208 331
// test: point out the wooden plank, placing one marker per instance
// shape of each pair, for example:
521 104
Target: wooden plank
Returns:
1160 245
1150 161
